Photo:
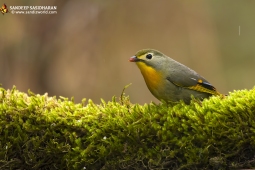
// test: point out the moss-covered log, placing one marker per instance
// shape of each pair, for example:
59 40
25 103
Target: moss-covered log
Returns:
42 132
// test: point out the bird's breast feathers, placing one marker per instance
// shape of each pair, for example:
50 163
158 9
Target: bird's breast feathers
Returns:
152 77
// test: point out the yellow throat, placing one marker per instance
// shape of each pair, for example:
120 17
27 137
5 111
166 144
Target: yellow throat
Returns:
152 77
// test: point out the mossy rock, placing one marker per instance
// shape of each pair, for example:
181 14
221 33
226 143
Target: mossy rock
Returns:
42 132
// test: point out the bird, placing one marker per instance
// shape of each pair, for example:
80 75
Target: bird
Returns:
170 80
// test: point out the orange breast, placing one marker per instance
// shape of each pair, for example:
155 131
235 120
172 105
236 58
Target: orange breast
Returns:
152 77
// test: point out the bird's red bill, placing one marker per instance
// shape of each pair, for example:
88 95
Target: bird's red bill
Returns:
133 59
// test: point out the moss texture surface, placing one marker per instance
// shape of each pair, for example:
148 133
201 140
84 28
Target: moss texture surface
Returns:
42 132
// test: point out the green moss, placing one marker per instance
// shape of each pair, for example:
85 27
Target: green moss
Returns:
42 132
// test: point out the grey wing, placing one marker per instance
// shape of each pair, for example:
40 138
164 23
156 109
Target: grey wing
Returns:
183 76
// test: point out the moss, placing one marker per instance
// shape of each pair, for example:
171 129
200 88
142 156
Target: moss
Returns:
42 132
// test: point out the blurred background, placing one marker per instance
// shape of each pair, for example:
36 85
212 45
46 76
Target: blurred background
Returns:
83 50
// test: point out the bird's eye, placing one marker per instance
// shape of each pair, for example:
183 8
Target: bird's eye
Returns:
148 56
